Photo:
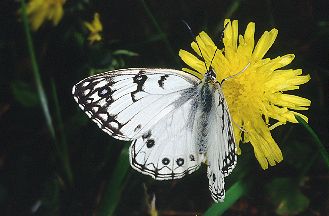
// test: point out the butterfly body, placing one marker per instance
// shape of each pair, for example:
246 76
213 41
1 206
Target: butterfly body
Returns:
175 121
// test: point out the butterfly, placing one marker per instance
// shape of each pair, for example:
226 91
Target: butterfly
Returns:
175 120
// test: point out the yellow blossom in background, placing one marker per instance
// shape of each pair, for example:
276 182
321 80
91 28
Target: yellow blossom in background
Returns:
39 11
95 27
256 95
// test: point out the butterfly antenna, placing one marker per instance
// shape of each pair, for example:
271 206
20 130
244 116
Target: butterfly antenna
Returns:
194 38
240 127
222 33
220 40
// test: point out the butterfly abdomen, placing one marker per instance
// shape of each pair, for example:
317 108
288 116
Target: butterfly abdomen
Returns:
205 98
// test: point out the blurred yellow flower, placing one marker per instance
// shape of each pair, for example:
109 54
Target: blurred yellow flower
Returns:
95 27
256 95
39 11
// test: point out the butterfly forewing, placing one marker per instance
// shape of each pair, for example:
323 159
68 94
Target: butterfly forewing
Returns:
126 103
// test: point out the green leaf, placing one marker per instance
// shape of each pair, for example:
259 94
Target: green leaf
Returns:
322 149
236 191
115 186
24 94
284 193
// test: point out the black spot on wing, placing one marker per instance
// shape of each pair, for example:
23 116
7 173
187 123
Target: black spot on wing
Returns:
214 177
104 91
162 79
150 143
147 135
165 161
139 79
180 161
137 127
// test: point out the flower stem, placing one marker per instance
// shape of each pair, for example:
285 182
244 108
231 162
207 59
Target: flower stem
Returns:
324 153
61 152
35 70
62 142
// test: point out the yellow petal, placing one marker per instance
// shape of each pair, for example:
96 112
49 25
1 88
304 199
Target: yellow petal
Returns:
58 14
192 61
290 101
94 37
95 27
249 38
230 34
33 6
97 23
264 44
265 148
207 46
89 26
39 11
37 19
300 115
283 80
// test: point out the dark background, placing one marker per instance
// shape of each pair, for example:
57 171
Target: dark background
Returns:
32 178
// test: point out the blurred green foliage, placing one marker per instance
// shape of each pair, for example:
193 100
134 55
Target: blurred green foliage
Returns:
54 161
285 195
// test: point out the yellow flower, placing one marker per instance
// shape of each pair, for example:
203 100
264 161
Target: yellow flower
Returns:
256 95
39 11
95 27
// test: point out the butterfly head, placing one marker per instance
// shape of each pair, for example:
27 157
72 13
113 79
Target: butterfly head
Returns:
210 75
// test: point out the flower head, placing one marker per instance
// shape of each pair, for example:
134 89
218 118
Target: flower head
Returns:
39 11
256 95
95 27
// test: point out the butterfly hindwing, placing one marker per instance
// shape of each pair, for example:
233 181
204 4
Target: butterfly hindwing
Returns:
127 103
168 151
221 152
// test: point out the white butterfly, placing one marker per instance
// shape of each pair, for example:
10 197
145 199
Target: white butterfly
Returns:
175 121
